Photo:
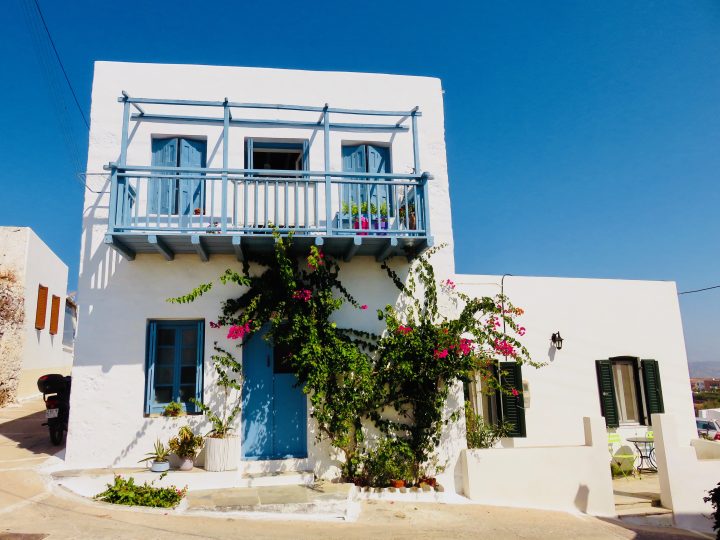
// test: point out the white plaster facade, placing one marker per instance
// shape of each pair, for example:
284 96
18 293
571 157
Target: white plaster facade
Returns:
598 318
34 264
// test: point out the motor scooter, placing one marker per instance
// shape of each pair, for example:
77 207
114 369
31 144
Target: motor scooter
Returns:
55 389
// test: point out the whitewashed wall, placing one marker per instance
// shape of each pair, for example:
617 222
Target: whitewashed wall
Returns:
107 425
598 319
36 264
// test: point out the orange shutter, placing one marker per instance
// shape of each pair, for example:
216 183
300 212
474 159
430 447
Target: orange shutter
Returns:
54 315
41 309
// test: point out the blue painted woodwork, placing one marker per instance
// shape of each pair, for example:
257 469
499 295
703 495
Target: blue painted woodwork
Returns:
274 414
371 159
161 199
174 364
191 195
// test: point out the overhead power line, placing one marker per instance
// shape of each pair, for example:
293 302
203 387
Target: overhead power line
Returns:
62 66
700 290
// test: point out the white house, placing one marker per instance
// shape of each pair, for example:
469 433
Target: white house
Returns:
251 147
40 341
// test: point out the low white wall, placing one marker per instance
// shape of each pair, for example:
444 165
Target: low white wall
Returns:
565 478
685 476
709 414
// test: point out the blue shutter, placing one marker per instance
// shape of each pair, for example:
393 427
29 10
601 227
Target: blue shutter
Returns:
150 366
192 154
161 198
199 372
353 160
378 158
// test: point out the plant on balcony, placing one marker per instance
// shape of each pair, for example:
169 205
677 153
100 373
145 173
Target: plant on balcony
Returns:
407 216
364 214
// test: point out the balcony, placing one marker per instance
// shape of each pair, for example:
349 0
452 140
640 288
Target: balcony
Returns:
208 211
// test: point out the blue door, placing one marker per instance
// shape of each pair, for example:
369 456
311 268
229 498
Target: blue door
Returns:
191 196
274 414
161 196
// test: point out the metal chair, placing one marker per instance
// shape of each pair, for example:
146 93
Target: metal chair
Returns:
621 460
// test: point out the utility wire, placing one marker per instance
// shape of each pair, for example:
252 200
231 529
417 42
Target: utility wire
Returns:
62 67
700 290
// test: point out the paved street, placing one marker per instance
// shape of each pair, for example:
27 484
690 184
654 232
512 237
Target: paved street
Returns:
30 510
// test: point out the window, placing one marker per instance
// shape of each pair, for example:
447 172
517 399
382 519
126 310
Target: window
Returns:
367 158
278 156
54 315
41 308
630 390
497 406
174 369
177 193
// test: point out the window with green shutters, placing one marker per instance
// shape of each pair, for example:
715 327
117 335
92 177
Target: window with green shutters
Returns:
629 390
512 407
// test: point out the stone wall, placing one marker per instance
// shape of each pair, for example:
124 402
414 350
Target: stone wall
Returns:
12 315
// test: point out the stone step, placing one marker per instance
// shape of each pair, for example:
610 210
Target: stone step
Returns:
642 511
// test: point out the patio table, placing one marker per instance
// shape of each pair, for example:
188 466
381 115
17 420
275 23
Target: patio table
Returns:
646 449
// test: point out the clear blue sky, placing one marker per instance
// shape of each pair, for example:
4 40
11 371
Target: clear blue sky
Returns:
583 138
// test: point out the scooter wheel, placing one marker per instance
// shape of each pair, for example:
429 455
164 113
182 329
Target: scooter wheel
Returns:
56 435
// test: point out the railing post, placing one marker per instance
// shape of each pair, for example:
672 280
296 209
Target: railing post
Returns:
328 184
226 126
113 198
426 177
416 152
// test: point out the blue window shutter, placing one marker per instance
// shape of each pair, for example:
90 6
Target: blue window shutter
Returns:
162 190
150 365
199 371
353 160
192 154
249 162
378 158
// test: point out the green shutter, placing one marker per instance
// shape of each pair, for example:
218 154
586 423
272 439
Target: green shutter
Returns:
606 386
653 389
513 410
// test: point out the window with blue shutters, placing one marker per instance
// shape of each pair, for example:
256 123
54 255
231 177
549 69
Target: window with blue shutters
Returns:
367 158
175 193
174 366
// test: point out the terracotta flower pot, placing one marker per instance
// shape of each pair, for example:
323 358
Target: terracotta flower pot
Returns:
398 483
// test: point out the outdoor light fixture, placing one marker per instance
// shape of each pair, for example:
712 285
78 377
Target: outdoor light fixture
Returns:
557 340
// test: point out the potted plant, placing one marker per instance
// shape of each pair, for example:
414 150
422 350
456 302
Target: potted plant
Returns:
222 447
159 458
185 446
173 409
407 216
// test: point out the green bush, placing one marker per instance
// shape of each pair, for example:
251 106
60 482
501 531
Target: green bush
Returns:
714 499
392 459
125 491
482 435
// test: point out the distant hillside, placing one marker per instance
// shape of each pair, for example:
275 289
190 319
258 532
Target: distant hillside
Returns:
704 369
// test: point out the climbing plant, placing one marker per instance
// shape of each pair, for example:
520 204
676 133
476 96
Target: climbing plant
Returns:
352 376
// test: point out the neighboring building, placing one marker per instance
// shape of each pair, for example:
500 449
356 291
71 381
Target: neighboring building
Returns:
148 237
33 278
704 384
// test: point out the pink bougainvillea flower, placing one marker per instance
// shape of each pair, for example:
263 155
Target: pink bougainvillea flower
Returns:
466 346
441 354
448 284
214 325
302 294
403 329
515 392
238 332
364 306
521 331
504 348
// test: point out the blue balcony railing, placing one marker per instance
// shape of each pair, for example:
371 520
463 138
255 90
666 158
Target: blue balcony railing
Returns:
222 210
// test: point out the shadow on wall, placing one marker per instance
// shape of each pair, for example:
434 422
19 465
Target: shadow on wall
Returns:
582 497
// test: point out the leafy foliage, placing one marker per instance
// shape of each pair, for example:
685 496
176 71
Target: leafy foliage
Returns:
424 352
714 499
391 459
159 454
174 408
186 444
229 379
480 434
352 376
125 491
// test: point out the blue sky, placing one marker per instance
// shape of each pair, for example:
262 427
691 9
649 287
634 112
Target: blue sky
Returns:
583 138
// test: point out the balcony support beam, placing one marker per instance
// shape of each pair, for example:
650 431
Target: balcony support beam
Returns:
238 248
199 247
161 247
353 248
120 247
387 251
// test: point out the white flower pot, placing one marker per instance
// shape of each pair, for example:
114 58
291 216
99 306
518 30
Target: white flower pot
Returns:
160 466
186 464
222 454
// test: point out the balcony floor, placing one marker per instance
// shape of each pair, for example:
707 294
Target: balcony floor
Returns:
247 246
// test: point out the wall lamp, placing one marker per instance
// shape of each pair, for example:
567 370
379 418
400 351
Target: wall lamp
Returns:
557 340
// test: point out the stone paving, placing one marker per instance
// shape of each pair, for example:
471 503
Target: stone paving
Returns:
31 508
